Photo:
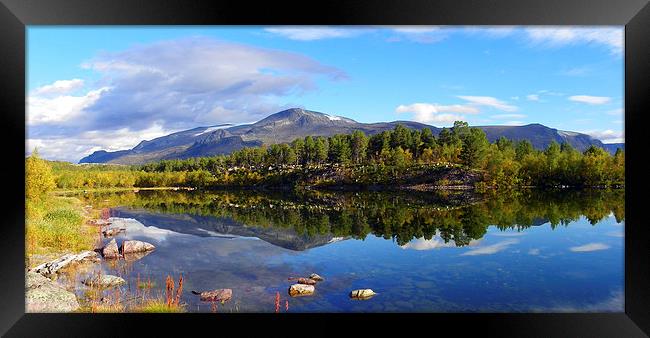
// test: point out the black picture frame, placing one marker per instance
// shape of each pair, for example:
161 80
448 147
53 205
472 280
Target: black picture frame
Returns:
15 15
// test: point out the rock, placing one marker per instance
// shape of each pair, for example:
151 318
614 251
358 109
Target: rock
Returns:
362 294
134 256
111 250
43 295
301 280
301 290
112 231
104 281
316 277
219 295
136 246
52 267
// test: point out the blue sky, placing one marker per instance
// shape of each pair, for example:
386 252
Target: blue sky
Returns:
92 88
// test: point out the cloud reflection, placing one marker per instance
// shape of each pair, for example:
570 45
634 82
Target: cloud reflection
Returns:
491 249
590 247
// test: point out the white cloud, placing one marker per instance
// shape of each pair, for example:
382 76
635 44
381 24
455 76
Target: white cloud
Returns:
593 100
421 34
589 247
59 87
490 102
533 252
71 148
491 249
607 136
532 97
170 85
316 33
43 110
435 113
612 38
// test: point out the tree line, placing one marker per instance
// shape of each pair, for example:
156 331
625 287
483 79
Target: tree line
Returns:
503 163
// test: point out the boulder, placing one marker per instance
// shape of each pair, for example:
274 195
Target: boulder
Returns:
111 250
301 290
104 281
302 280
112 231
50 268
316 277
43 295
362 294
219 295
136 246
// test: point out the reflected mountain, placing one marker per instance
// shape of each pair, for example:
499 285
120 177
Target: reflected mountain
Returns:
224 227
300 221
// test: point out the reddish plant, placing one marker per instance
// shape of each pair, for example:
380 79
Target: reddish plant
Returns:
169 290
277 302
179 291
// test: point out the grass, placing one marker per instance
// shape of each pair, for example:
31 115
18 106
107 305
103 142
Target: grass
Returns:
158 305
56 224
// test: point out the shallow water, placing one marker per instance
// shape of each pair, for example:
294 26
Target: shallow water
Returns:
535 252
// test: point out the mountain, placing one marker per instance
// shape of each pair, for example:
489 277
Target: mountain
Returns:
287 125
612 147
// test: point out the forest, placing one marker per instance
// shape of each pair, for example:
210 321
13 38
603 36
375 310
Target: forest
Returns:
399 156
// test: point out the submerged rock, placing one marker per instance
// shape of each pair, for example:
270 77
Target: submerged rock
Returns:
219 295
302 280
129 247
301 290
111 250
52 267
316 277
104 281
134 256
362 294
43 295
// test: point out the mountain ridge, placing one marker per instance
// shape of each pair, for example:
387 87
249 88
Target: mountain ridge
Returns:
289 124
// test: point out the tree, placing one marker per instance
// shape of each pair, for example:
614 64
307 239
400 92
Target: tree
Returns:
339 150
522 149
298 146
38 176
397 157
321 149
474 149
359 143
400 137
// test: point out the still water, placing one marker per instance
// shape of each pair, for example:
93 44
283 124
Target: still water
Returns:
420 252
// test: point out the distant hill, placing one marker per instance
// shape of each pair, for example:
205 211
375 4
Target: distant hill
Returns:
612 147
287 125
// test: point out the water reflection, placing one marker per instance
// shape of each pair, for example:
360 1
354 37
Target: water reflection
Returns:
308 220
529 251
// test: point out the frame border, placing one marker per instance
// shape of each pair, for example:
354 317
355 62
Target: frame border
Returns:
15 15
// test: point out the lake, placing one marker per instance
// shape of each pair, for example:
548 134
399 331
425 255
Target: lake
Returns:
531 251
